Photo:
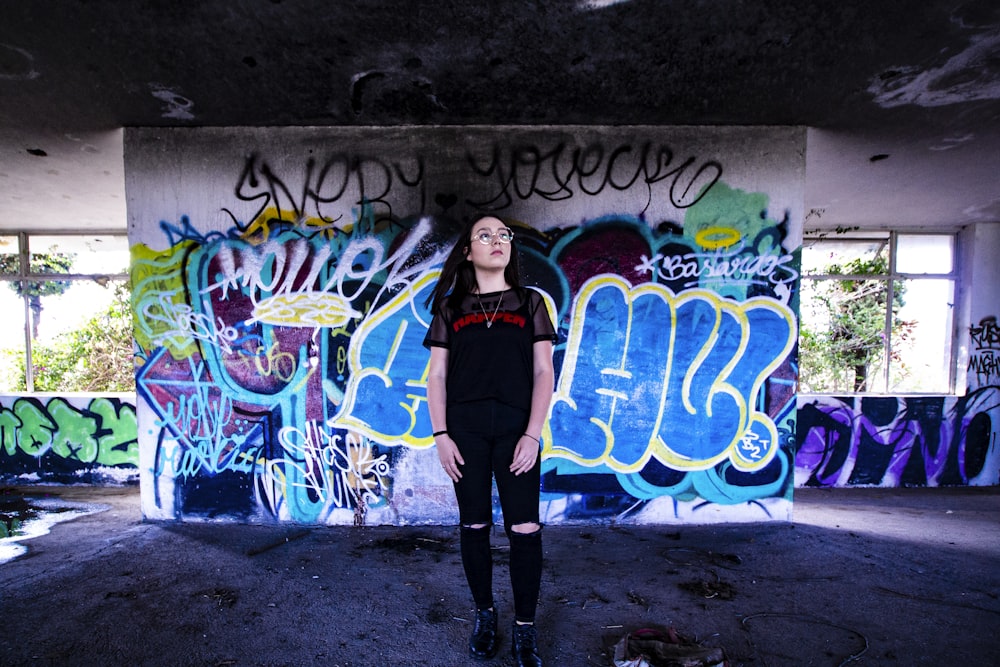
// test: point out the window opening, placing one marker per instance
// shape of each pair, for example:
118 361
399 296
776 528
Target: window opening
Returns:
876 313
74 332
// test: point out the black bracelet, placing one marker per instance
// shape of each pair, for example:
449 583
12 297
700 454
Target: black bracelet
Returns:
533 438
437 433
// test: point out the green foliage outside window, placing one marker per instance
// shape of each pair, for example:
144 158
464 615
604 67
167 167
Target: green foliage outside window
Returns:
98 356
844 348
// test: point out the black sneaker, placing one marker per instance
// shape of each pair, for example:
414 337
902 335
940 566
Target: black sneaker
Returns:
484 642
524 646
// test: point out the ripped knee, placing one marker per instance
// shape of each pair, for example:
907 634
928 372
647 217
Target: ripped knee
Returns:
530 528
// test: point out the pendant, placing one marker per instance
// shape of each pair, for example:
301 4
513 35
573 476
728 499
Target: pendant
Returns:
489 323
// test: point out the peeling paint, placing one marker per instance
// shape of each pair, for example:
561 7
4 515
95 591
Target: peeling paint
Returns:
177 106
967 76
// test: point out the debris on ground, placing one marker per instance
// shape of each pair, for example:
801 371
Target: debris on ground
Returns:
709 589
651 647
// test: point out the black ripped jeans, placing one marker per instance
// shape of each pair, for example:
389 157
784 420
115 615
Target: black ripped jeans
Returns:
486 433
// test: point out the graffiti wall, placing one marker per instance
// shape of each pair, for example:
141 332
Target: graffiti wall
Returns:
984 354
896 441
280 279
76 439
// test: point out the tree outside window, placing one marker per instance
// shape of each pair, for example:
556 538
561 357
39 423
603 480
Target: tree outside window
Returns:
33 291
868 327
76 332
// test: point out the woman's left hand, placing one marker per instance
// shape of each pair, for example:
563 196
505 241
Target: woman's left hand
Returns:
525 455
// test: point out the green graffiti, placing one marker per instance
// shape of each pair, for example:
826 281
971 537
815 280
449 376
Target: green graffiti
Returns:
35 433
9 423
105 432
74 434
117 441
725 208
737 244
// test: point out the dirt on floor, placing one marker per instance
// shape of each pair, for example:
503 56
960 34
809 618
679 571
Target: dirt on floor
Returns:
861 577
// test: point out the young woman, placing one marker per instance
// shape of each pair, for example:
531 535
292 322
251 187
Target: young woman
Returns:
488 390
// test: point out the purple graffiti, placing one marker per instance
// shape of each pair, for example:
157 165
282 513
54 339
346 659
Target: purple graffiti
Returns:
892 441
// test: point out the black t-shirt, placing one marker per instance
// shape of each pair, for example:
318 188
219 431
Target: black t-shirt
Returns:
489 340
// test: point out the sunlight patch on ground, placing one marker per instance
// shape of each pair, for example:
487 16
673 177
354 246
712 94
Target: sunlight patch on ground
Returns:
34 517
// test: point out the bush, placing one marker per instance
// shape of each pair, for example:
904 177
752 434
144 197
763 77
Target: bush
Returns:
96 357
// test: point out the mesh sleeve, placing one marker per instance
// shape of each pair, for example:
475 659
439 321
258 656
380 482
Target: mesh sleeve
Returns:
437 332
540 318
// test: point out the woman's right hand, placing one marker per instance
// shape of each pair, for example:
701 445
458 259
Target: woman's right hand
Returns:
449 456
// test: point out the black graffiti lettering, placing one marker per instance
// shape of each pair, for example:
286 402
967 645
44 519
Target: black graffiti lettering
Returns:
248 179
492 168
707 175
613 163
336 172
373 180
275 186
529 171
528 163
533 161
987 335
586 163
985 365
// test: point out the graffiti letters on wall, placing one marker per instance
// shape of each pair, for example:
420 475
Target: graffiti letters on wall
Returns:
984 353
891 441
87 440
282 366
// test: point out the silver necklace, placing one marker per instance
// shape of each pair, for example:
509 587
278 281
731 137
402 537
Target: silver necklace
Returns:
489 320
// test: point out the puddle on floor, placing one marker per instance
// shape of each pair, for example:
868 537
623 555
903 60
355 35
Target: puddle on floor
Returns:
24 517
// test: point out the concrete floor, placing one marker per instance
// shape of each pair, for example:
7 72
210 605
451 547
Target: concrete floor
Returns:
861 577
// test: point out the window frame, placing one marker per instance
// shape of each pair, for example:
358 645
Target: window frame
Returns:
890 278
24 274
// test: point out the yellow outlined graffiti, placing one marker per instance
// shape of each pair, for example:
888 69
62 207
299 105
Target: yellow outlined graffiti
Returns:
382 335
714 355
386 394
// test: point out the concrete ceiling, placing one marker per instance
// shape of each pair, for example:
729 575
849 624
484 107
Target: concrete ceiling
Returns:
902 98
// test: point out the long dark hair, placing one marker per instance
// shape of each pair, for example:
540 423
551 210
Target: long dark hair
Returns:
458 277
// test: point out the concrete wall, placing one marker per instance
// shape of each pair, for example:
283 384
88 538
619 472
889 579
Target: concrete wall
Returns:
84 439
279 284
983 368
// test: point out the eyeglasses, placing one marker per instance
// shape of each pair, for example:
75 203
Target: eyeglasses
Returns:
486 238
